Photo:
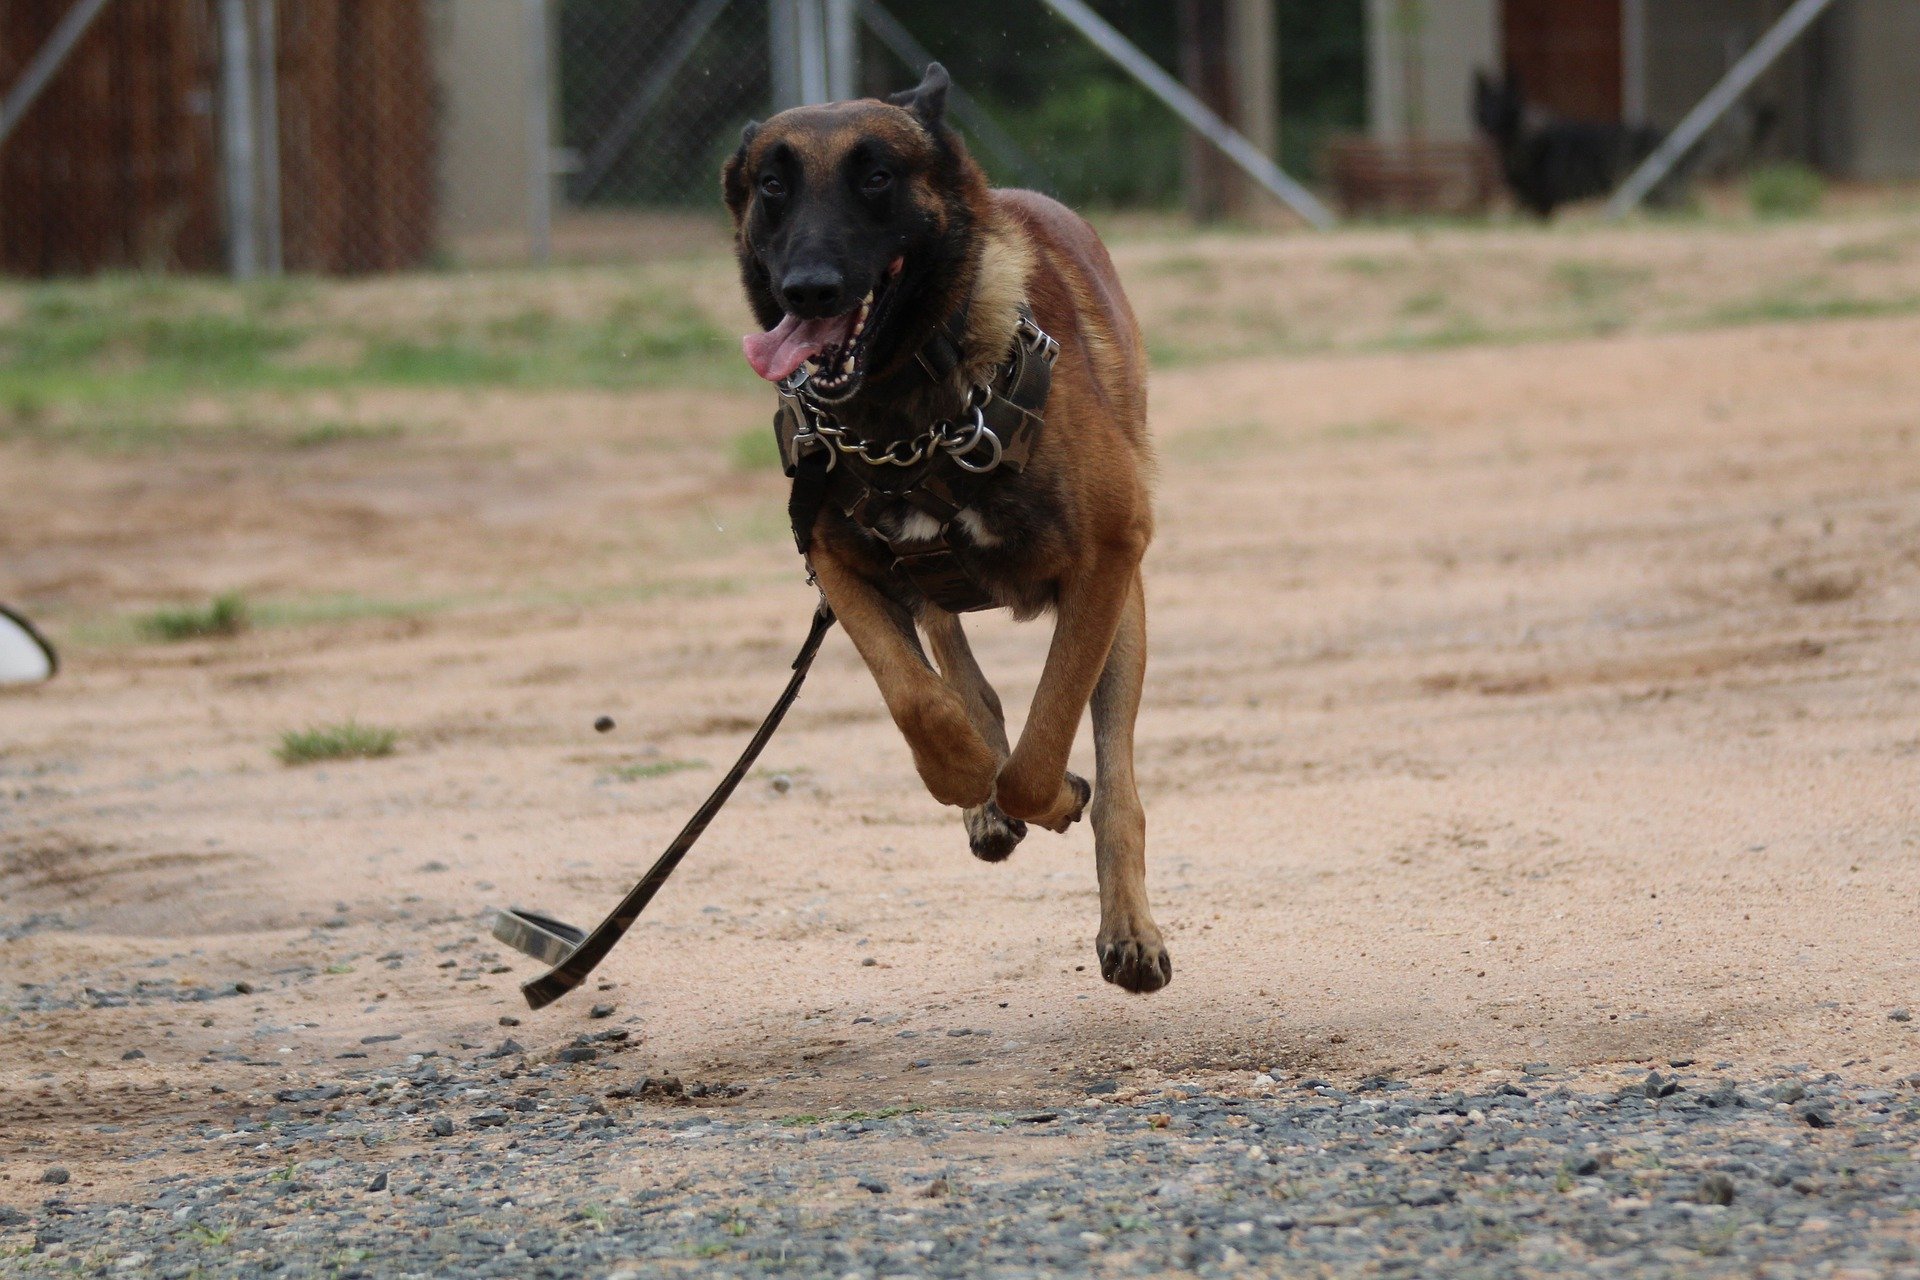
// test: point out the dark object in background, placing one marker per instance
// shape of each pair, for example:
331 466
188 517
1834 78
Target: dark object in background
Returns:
1548 161
603 725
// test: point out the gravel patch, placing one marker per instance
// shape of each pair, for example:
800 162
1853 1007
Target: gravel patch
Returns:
539 1169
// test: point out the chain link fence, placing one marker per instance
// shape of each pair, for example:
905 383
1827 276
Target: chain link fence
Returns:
341 136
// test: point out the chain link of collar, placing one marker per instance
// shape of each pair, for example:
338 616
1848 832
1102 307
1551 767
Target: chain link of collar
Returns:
958 439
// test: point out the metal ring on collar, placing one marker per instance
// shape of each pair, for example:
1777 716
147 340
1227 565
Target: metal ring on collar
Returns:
981 431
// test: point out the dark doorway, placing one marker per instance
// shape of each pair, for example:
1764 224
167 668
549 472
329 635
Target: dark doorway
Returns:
1567 54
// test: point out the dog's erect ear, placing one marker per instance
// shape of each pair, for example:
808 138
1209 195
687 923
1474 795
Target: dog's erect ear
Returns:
733 177
928 99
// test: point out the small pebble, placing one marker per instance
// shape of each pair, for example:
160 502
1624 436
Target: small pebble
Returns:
440 1127
1714 1188
603 725
55 1175
600 1011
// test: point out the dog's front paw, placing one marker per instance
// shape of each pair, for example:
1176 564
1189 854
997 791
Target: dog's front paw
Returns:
1055 807
1138 964
991 834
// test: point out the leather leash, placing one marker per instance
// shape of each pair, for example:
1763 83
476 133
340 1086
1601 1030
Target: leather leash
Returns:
574 953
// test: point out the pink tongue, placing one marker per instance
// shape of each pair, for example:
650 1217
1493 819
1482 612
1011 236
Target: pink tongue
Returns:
783 348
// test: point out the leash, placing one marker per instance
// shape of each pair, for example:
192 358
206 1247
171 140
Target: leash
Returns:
573 953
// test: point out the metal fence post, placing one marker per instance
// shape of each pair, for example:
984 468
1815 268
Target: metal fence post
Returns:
539 139
813 51
236 138
1752 65
783 52
266 67
843 52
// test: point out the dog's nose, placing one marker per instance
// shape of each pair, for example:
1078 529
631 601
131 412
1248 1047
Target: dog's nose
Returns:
813 292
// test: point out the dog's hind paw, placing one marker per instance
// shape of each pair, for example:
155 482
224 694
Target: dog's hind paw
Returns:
991 834
1136 965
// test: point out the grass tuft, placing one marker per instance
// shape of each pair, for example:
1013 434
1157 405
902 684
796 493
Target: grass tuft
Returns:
225 616
653 769
348 741
1785 191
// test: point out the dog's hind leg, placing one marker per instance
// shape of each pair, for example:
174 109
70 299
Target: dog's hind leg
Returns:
1132 954
952 758
990 833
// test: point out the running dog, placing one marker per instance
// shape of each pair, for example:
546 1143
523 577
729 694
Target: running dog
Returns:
906 309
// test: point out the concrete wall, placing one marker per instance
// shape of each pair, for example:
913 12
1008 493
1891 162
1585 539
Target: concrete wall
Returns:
1881 53
480 54
1455 38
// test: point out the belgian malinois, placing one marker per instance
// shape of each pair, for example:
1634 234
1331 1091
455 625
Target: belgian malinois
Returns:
866 237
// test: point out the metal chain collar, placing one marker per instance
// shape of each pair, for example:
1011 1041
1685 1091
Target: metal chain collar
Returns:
957 439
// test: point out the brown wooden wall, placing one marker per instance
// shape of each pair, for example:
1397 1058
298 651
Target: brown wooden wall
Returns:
356 134
1568 55
117 166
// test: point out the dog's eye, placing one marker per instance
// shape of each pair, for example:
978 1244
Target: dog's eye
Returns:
877 181
772 188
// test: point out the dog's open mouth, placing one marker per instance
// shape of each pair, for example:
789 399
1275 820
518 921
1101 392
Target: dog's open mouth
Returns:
835 346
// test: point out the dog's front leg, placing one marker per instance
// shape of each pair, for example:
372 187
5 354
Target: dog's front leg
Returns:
1034 785
957 766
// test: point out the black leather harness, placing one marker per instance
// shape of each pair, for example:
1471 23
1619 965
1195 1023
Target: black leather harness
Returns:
937 473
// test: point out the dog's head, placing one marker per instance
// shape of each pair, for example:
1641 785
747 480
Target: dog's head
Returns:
854 225
1497 105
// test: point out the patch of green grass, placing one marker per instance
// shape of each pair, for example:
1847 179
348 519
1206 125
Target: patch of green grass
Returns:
653 769
1184 264
1785 191
1220 443
756 450
1371 429
320 435
1362 264
1787 306
350 740
1589 283
1425 303
1865 251
227 615
214 1235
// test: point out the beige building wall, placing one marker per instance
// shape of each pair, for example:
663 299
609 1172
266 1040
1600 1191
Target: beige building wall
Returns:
1421 58
482 65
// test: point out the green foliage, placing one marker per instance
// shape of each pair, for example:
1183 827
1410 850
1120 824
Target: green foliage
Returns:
347 741
756 450
653 769
1785 191
224 616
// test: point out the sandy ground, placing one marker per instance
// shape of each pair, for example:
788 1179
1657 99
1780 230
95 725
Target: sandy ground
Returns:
1547 703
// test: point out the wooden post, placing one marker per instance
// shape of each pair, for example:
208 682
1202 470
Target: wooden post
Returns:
1207 68
1256 89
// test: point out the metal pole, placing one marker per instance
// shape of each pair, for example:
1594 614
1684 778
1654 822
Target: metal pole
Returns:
1633 58
783 51
53 54
1739 78
267 97
813 52
843 52
1189 108
539 140
236 136
959 101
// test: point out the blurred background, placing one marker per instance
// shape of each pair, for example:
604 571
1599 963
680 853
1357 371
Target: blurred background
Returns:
353 136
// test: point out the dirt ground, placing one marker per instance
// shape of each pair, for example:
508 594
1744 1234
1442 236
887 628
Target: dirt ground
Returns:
1552 702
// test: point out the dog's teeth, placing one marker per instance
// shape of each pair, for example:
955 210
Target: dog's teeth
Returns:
847 366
